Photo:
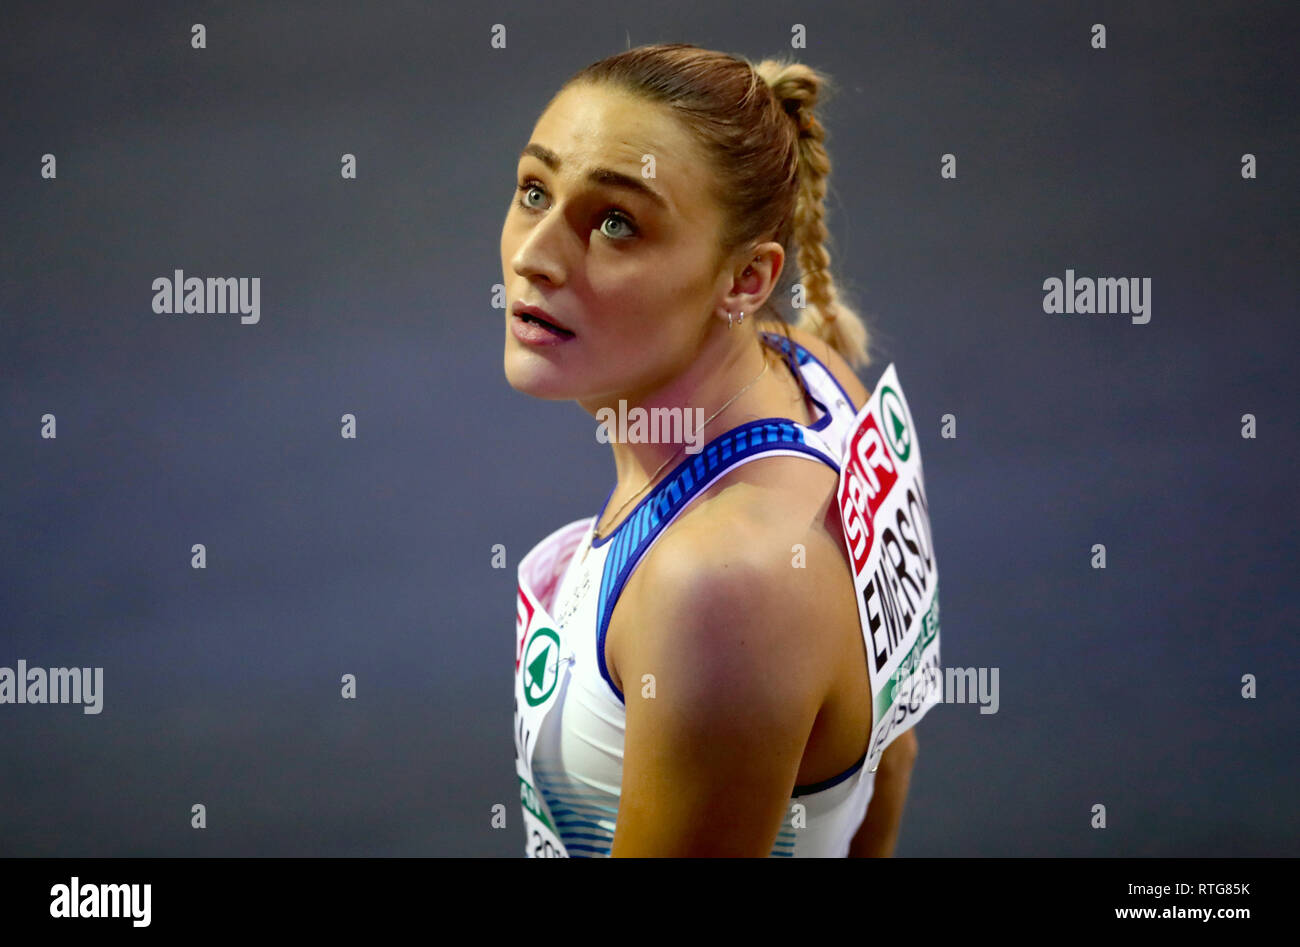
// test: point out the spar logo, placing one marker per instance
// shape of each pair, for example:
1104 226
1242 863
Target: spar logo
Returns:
867 478
897 431
541 666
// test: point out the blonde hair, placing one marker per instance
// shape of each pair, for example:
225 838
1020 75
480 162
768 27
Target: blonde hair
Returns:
759 124
796 88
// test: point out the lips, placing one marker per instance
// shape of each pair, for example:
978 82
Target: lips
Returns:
539 316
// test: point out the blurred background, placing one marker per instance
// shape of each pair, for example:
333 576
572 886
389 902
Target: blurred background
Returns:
372 556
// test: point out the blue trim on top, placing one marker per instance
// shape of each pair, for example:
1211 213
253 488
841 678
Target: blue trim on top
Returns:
681 477
634 535
827 418
828 783
804 356
793 361
801 354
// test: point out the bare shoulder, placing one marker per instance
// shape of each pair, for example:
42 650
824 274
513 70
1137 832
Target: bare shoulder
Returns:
755 562
724 596
836 362
723 689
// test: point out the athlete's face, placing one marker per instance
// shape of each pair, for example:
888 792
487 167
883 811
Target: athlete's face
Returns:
634 278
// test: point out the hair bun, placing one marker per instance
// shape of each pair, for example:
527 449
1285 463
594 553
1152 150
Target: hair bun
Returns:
795 87
795 107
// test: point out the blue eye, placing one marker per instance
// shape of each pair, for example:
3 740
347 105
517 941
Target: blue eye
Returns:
523 190
532 185
615 215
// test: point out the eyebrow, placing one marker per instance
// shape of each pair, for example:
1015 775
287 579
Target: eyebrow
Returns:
597 175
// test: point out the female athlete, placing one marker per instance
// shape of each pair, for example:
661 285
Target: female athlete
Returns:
701 687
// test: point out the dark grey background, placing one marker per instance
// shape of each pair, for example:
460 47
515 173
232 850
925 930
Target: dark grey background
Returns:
372 556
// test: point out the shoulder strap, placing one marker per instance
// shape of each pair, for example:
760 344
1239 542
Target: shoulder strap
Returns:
635 535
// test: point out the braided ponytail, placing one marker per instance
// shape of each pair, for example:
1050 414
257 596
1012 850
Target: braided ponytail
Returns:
795 87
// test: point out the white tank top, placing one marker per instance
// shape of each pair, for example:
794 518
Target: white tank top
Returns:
577 759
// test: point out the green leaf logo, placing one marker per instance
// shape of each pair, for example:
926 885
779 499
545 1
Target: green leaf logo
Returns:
541 666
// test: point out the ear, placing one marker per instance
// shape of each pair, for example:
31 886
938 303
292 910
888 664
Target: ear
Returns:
754 276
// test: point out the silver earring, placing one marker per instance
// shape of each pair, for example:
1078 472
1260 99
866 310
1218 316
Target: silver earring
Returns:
742 316
728 318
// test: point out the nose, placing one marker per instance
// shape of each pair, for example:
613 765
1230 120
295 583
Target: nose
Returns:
540 254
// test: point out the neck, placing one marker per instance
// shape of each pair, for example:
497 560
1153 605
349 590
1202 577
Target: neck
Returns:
723 367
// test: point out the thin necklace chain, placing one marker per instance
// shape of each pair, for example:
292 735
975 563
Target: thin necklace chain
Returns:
596 533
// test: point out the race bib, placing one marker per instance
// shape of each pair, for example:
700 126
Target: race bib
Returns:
886 519
542 663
